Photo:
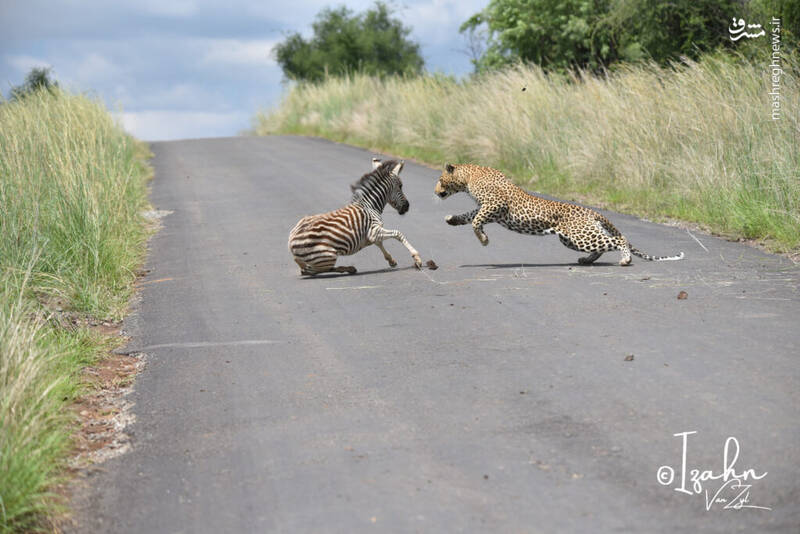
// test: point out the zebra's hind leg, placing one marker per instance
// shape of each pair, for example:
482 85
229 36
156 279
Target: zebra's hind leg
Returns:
323 264
304 268
388 257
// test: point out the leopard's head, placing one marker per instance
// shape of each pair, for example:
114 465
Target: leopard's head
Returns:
451 181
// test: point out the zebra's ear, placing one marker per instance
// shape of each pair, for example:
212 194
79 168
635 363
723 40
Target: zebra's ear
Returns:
398 168
376 162
449 168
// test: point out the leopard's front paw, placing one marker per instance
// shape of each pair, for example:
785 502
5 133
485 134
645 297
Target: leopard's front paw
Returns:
451 220
483 239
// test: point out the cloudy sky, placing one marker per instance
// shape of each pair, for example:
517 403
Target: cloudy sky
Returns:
191 68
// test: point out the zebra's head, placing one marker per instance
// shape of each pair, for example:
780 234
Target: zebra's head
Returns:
397 198
382 186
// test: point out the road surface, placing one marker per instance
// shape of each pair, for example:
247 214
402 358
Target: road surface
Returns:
495 394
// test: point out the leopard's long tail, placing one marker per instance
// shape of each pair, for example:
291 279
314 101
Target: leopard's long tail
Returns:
648 257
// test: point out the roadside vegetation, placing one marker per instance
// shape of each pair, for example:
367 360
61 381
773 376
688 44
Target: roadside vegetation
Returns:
694 141
72 188
640 106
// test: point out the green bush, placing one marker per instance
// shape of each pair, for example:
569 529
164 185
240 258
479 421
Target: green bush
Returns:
371 42
595 34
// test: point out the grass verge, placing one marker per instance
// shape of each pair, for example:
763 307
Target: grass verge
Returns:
72 187
695 141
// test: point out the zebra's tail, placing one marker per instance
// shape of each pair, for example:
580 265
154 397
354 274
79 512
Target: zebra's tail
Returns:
648 257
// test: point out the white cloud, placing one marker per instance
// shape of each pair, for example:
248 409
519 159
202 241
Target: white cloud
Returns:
163 125
24 63
298 15
93 67
168 8
179 96
253 53
437 22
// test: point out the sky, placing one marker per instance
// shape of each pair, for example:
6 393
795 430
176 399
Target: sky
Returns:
174 69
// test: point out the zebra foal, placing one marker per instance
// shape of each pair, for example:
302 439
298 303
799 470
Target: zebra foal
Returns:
317 240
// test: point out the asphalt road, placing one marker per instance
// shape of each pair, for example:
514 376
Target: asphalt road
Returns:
490 395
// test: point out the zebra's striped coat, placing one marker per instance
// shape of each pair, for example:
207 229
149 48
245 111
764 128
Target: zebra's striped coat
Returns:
317 240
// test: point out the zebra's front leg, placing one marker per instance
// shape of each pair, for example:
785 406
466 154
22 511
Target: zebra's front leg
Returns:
388 257
464 218
378 234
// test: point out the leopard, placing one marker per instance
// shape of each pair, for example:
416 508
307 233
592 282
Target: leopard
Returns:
500 200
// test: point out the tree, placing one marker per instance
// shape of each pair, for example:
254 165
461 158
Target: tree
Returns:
38 79
593 34
371 42
786 10
551 33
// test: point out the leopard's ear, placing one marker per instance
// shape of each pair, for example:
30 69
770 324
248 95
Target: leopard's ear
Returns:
449 168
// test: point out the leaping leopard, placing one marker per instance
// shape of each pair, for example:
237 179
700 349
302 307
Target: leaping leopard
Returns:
501 201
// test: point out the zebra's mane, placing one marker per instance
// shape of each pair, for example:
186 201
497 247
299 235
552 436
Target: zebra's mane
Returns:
366 182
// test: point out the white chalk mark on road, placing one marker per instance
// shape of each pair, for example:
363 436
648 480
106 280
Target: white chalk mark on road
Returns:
698 241
458 281
353 287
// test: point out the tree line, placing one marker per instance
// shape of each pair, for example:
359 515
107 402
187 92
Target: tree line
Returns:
558 35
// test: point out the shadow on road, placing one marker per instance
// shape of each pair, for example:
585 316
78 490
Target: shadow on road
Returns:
324 276
525 265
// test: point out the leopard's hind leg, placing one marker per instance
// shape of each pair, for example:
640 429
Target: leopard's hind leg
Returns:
611 239
625 248
569 243
595 243
586 260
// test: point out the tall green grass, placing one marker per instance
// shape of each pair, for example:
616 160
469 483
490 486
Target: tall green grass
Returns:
694 141
72 186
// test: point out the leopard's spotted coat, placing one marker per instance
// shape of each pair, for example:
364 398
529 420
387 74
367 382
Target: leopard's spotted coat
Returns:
501 201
